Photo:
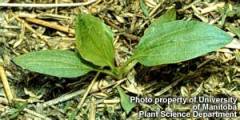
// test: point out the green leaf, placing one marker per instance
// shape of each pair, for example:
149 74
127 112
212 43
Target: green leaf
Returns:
169 16
94 40
144 8
125 101
178 41
58 63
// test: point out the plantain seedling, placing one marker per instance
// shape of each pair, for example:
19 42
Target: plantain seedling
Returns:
165 41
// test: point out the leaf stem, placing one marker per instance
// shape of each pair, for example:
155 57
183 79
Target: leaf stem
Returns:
127 66
119 72
106 72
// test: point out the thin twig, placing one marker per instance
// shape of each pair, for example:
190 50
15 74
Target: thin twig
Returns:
156 8
62 98
36 114
69 96
92 111
189 6
6 86
88 90
168 87
32 30
67 29
50 25
131 36
213 7
191 74
27 5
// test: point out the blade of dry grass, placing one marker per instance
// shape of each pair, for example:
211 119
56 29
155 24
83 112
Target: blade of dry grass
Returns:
45 6
6 86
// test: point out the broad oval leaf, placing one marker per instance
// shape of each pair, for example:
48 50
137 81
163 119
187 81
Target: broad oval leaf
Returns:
94 40
178 41
60 63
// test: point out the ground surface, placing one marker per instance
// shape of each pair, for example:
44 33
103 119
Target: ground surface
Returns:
41 97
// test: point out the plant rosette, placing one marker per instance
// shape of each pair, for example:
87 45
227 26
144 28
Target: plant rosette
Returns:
165 41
